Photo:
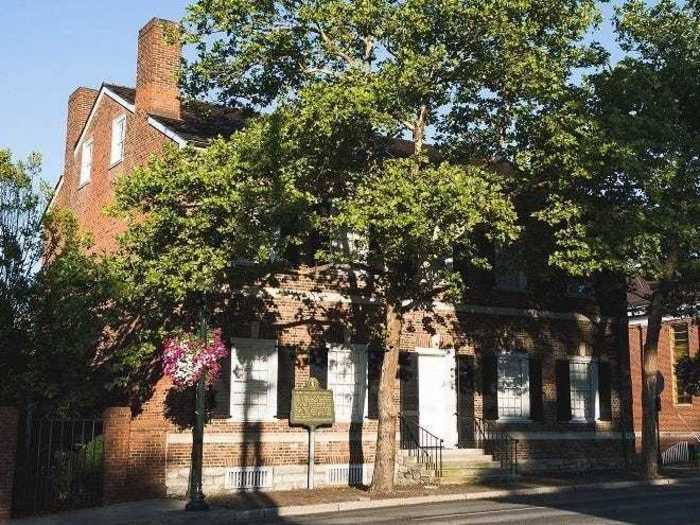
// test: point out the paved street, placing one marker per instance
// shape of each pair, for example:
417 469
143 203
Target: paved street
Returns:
658 506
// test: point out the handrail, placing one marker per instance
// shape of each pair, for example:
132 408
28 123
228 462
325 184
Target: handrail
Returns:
422 444
488 437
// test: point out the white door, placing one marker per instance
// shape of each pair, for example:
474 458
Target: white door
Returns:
437 394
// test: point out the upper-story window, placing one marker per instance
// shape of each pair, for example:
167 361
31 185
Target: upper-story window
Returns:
509 271
118 134
86 163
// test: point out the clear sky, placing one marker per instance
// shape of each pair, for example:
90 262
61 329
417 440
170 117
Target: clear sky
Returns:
50 47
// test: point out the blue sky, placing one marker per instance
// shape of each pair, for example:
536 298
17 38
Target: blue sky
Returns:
49 47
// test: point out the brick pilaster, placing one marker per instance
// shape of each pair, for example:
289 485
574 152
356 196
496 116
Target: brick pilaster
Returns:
117 435
9 418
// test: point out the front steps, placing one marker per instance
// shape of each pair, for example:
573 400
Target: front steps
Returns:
459 466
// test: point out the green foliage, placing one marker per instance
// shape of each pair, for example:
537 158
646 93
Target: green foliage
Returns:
628 197
418 219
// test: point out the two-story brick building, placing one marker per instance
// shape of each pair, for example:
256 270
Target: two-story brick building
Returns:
526 355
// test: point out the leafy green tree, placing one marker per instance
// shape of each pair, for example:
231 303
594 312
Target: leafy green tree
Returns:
348 74
21 206
53 301
628 144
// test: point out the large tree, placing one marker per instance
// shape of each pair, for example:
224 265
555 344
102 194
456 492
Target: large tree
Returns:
628 144
349 74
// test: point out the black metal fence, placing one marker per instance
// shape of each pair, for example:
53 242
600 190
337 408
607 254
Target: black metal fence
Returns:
426 447
59 465
476 432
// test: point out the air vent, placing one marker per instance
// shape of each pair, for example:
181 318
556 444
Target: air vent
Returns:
353 474
249 478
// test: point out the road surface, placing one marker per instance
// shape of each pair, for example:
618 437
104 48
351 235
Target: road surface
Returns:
648 505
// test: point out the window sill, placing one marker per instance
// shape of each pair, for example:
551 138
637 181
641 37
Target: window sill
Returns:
115 163
83 184
513 420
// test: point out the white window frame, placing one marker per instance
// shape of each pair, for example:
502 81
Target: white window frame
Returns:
594 390
86 163
239 348
503 360
332 382
117 145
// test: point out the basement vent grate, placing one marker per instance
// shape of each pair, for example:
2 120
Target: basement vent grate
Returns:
249 478
353 474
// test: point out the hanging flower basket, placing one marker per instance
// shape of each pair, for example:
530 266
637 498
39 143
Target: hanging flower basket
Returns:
186 359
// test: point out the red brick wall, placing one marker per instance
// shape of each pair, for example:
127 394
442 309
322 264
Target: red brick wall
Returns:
9 418
117 438
677 421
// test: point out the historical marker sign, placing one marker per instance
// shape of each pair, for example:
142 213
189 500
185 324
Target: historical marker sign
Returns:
312 407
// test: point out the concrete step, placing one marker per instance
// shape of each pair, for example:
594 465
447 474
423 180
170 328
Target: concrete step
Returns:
450 478
463 465
471 459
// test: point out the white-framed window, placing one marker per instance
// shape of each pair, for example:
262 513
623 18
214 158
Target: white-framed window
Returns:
86 163
347 378
253 379
583 386
118 134
513 386
509 274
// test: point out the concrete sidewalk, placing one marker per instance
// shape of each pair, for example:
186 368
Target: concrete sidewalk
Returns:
170 511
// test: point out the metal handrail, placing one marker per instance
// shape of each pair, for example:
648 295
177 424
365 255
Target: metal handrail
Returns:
422 444
494 441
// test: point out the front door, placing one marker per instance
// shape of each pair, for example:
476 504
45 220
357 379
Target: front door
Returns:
437 394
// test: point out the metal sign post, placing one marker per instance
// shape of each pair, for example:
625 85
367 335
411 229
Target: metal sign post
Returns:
312 407
312 457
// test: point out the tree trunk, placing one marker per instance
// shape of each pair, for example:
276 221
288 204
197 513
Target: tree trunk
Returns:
650 371
385 455
650 445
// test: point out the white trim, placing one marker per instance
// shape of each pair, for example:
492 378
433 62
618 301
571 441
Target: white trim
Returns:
121 119
111 94
167 132
524 395
594 387
85 172
644 321
56 189
335 297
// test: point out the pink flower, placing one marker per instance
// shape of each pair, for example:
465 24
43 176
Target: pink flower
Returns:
186 358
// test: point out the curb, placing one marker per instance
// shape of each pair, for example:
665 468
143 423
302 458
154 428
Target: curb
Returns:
366 503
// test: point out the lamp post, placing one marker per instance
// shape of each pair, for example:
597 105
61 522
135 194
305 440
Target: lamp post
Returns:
197 502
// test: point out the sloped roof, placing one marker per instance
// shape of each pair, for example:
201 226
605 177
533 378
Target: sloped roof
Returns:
127 93
200 123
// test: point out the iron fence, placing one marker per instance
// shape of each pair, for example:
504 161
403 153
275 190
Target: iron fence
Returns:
59 465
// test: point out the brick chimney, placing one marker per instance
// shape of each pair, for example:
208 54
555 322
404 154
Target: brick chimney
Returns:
79 105
159 50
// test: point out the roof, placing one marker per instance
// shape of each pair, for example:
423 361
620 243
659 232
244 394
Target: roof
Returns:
200 122
127 93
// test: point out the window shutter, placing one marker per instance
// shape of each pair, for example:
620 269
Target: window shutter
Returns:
285 381
222 391
605 390
563 390
536 402
465 400
408 375
490 385
374 372
318 366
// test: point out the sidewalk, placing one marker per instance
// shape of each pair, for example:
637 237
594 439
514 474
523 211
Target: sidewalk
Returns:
254 507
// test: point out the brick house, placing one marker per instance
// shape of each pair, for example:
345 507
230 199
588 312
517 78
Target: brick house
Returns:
529 355
679 413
